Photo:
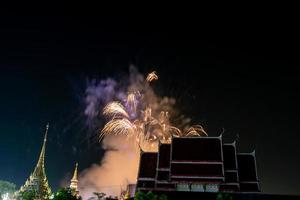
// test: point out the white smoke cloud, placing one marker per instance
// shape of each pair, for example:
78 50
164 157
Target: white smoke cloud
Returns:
117 169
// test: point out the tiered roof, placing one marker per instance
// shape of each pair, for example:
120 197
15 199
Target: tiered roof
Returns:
197 159
247 172
230 168
200 164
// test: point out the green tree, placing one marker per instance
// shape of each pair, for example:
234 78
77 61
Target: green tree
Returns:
27 195
6 187
149 196
140 196
162 197
65 194
224 196
99 195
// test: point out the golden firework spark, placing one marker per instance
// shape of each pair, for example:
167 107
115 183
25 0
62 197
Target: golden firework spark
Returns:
152 76
196 130
147 114
132 101
118 127
163 117
148 126
115 109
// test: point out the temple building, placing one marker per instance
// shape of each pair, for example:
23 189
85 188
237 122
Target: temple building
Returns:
38 181
74 182
198 164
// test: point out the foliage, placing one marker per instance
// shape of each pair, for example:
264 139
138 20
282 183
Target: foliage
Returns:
224 196
6 187
27 195
149 196
102 196
65 194
99 195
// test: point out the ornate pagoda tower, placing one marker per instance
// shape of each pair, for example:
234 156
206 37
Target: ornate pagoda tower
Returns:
38 181
74 182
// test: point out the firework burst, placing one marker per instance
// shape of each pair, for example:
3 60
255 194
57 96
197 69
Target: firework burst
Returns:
115 109
118 127
148 126
152 76
196 130
137 119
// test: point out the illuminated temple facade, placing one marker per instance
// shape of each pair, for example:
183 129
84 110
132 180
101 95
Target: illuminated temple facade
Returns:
74 182
38 181
199 164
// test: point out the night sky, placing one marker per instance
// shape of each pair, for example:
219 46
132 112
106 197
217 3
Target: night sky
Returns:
239 77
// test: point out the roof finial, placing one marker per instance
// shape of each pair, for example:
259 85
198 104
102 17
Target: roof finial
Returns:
46 132
74 181
75 172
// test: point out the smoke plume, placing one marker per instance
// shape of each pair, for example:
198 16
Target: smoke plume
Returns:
117 169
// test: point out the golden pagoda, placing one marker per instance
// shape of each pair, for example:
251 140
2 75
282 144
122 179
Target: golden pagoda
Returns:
74 182
38 181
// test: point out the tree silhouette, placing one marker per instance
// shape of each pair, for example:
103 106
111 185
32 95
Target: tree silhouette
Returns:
6 187
149 196
27 195
65 194
99 195
224 196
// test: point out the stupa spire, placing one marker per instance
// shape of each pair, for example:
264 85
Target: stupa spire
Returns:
41 162
38 181
74 181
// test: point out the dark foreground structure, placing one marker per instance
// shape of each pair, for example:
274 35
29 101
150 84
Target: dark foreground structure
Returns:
202 168
198 164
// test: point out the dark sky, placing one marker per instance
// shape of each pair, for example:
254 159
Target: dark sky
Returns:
241 76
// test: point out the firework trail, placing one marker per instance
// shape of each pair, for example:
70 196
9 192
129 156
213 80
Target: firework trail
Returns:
132 101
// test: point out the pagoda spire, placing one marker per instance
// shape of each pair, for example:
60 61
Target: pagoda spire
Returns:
74 181
41 162
38 181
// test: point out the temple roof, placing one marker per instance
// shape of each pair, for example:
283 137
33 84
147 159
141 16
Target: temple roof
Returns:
208 149
148 165
230 157
164 156
198 161
247 167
